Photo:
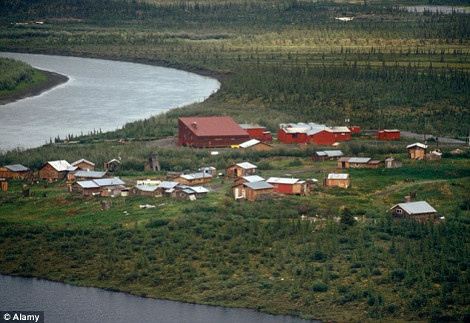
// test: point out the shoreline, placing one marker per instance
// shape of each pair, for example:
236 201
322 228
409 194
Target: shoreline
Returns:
53 80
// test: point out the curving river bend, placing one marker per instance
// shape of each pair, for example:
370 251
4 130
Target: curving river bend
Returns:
99 95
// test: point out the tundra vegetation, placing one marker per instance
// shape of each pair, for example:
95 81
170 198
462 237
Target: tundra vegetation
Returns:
278 61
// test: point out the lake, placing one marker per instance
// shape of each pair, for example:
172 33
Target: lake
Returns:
100 95
67 303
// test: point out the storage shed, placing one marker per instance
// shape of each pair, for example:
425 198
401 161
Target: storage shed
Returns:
290 186
16 171
419 210
250 191
388 134
337 180
240 170
84 164
194 179
417 150
210 132
55 170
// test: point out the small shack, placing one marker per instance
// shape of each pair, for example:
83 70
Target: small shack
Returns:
417 150
250 191
327 155
240 170
86 188
84 164
256 145
434 155
83 175
290 186
55 170
388 134
337 180
194 179
146 190
393 163
249 179
419 211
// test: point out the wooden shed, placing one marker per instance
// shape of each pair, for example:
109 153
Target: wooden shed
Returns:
146 190
255 144
337 180
55 170
417 150
84 164
388 134
290 186
240 170
194 179
86 188
16 171
250 191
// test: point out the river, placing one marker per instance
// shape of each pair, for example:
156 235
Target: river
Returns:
67 303
100 95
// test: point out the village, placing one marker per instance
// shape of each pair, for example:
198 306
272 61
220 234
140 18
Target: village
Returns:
241 180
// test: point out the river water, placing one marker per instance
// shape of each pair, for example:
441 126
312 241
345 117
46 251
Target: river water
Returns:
67 303
100 95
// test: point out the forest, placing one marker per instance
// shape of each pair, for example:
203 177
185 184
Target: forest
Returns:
388 66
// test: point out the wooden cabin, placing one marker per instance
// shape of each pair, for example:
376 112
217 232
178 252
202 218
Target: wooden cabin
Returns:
146 190
256 145
86 188
419 211
84 164
240 170
289 186
337 180
194 179
392 163
55 170
16 171
250 191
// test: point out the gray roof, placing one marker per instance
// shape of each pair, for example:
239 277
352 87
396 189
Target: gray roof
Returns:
338 176
247 165
146 188
199 189
253 178
359 160
88 184
109 181
196 176
167 184
417 144
83 160
334 153
282 180
90 174
418 207
17 168
258 185
61 165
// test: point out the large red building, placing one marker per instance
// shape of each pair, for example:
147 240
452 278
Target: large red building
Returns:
312 133
210 132
387 134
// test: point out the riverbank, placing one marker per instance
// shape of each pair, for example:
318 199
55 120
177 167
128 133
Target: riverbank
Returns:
53 80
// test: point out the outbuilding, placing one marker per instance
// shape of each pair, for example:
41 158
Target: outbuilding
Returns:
250 191
417 150
255 144
290 186
337 180
194 179
55 170
240 170
16 171
257 132
84 164
388 134
419 210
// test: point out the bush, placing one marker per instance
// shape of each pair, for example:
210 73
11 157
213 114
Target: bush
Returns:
319 286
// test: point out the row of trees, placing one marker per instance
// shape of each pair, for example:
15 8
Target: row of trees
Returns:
12 73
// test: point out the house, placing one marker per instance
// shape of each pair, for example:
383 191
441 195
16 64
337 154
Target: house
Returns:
312 133
337 180
420 211
358 162
194 179
327 155
249 179
255 144
191 193
166 187
387 134
83 175
289 185
250 191
392 163
149 182
240 170
257 132
110 186
16 171
86 188
354 129
84 164
146 190
417 150
55 170
208 170
210 132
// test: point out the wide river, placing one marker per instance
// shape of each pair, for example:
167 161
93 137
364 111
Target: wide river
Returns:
100 95
66 303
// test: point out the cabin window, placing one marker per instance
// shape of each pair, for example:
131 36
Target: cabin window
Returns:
399 211
294 135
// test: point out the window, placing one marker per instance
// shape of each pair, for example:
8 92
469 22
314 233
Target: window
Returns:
399 211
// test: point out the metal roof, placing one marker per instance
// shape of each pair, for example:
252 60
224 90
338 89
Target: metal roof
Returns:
359 160
321 153
83 160
251 126
338 129
146 188
249 143
88 184
281 180
247 165
417 144
253 178
109 181
196 176
61 165
416 207
17 168
338 176
168 184
199 189
213 126
90 174
334 153
258 185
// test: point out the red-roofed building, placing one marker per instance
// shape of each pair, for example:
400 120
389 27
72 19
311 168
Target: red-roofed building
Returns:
210 132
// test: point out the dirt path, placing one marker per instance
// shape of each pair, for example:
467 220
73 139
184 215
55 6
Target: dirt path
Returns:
396 188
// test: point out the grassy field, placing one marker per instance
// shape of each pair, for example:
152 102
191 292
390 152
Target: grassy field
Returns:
278 61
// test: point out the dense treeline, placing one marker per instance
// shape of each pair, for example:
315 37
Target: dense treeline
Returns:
261 256
13 72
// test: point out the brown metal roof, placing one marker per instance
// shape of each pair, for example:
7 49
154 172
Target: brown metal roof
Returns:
213 126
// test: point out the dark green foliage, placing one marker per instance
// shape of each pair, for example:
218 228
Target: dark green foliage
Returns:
347 217
12 73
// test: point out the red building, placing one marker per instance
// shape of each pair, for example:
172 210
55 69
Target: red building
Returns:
257 132
210 132
388 134
312 133
354 129
288 185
